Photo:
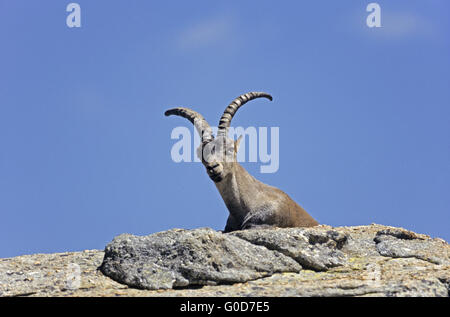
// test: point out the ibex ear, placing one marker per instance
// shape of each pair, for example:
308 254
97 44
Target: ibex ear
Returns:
236 144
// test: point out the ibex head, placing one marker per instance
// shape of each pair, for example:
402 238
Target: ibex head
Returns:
218 154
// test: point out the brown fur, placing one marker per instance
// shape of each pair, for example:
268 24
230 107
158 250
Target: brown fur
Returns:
252 203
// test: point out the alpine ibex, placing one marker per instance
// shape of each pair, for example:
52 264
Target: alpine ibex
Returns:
251 204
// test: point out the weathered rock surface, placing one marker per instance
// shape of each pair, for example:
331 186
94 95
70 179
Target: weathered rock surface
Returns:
313 249
398 243
370 260
178 258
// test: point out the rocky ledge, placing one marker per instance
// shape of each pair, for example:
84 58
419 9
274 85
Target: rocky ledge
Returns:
370 260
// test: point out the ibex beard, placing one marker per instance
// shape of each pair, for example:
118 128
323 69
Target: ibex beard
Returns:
251 203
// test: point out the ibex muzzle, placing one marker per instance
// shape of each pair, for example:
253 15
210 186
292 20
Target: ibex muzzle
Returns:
251 204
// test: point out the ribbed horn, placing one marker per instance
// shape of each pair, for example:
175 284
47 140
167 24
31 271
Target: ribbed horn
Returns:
202 126
230 111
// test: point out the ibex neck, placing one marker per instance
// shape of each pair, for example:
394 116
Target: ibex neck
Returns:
237 190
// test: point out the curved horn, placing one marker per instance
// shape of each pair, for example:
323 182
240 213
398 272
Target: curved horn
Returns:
203 128
230 111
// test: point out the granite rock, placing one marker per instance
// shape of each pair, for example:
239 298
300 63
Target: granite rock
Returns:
178 258
378 261
396 243
314 249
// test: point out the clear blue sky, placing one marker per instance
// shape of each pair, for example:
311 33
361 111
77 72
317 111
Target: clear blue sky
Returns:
363 113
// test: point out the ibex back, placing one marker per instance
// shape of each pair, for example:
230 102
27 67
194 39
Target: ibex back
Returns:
251 203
